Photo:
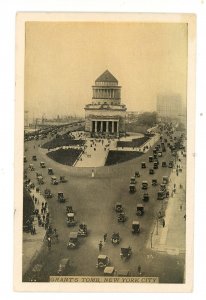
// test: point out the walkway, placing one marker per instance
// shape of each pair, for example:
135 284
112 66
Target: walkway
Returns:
171 237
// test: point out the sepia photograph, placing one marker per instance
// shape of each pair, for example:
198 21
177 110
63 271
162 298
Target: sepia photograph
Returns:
104 129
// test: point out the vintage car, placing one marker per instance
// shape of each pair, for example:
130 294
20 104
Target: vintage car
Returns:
161 195
164 164
154 182
31 167
145 197
171 164
109 271
61 197
150 158
126 252
137 174
165 179
151 171
34 158
40 180
50 171
132 188
121 218
140 209
63 265
143 165
133 180
70 220
42 164
144 185
102 261
82 230
115 239
62 179
69 209
47 193
155 165
73 240
118 207
54 180
135 227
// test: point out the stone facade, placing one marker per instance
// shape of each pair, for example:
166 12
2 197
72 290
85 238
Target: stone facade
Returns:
105 115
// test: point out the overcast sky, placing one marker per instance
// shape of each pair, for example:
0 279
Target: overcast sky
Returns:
64 59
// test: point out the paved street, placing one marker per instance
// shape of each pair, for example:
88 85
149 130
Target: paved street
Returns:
93 200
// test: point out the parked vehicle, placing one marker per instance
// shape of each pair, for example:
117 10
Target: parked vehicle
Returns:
102 261
165 179
150 158
62 179
70 220
121 218
109 271
155 166
31 167
133 180
54 180
151 171
47 193
34 158
143 165
82 230
164 164
154 182
171 164
132 188
42 164
145 197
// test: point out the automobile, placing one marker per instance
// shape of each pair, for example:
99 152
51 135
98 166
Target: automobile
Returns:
162 195
124 273
25 160
162 187
47 193
155 166
132 188
82 230
54 180
31 167
102 261
165 179
70 220
61 197
40 180
145 197
154 151
38 174
126 252
135 227
154 182
121 217
150 158
140 209
143 165
118 207
69 209
133 180
50 171
151 171
62 179
34 158
115 239
137 174
144 185
63 264
109 271
154 156
171 164
42 164
164 164
73 240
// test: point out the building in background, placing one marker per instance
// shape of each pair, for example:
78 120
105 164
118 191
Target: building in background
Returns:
169 106
105 115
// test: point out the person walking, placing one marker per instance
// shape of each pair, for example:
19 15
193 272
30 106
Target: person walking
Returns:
105 237
92 173
163 223
100 245
49 243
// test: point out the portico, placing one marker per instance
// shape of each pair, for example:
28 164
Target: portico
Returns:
105 126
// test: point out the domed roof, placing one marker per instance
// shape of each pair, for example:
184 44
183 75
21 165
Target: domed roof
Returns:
106 77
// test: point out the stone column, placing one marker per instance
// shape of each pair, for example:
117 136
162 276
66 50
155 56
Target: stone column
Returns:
112 126
101 129
95 128
117 126
107 126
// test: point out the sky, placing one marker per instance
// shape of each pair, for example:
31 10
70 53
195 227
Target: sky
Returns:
63 60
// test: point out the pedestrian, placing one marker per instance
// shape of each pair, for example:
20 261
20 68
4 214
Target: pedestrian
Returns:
181 207
42 211
185 217
163 223
34 230
49 243
100 245
92 173
105 237
35 200
42 204
139 268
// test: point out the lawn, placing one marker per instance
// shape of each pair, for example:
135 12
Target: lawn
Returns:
61 141
134 143
65 156
116 157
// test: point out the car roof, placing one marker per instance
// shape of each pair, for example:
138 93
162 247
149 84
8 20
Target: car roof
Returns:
102 256
109 270
73 234
135 222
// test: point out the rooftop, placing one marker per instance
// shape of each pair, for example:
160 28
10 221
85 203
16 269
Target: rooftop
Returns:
106 77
